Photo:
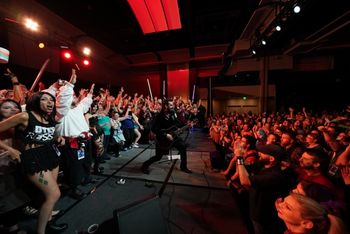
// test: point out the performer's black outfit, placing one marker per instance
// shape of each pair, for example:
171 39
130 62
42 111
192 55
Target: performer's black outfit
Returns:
165 123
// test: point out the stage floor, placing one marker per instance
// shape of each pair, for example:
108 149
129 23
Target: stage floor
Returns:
190 203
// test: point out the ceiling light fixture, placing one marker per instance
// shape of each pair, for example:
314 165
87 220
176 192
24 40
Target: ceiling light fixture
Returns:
278 28
263 42
156 15
296 9
86 51
31 24
86 62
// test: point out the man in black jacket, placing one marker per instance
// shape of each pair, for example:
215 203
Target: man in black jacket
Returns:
165 126
264 187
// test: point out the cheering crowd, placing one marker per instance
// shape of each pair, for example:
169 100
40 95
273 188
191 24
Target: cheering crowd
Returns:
289 172
291 167
56 130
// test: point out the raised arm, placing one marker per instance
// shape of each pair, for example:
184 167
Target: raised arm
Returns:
243 174
17 92
20 119
86 102
65 97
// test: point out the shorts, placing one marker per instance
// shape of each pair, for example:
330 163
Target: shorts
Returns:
39 159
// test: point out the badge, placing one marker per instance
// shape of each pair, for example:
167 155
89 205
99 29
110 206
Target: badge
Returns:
81 154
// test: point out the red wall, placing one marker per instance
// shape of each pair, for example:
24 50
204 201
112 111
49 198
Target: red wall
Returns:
137 83
178 82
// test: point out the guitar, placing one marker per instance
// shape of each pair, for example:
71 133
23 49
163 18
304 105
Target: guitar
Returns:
164 142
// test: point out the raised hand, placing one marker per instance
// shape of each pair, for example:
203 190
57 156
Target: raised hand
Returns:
345 172
92 89
11 75
73 77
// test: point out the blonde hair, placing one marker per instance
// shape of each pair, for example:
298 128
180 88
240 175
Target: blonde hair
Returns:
323 223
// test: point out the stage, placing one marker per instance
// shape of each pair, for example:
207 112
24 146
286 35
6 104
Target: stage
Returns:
187 203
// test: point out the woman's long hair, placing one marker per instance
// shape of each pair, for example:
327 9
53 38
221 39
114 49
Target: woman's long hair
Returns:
323 223
33 104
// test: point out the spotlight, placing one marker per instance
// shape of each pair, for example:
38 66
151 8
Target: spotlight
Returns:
296 9
253 51
31 24
86 51
278 28
41 45
86 62
67 55
263 42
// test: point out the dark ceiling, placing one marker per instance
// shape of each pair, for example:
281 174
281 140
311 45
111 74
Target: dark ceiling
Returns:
213 33
214 26
113 23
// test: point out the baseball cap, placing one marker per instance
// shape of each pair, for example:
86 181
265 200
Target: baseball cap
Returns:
271 149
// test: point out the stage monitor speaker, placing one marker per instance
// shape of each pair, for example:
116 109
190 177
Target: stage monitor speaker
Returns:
141 217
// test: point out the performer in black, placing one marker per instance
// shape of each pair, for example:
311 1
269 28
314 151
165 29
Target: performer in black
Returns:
164 126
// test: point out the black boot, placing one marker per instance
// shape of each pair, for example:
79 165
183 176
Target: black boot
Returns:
186 170
145 169
76 194
55 228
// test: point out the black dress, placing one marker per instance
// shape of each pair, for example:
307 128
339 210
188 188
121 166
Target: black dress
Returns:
44 155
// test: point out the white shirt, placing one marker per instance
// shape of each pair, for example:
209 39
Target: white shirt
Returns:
71 121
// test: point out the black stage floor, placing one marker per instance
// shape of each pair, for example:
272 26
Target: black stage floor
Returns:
189 203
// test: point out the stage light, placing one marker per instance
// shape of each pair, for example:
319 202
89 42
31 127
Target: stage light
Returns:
67 55
86 62
86 51
41 45
253 51
263 42
31 24
296 9
278 28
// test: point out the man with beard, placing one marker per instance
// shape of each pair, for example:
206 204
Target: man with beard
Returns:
265 187
313 168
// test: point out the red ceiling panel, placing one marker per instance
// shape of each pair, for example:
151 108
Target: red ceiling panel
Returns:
171 10
155 9
156 15
143 17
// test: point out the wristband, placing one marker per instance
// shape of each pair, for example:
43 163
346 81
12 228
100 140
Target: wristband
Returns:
240 161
